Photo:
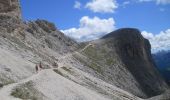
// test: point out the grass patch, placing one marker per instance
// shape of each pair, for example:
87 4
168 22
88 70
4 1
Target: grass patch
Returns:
95 67
67 69
90 64
103 51
58 72
92 53
27 92
4 80
110 61
89 50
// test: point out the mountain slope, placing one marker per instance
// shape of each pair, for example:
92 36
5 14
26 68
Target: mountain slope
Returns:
123 58
23 45
104 69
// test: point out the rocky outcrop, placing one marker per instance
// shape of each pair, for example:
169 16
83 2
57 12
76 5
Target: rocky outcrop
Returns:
123 58
134 51
51 36
10 15
11 8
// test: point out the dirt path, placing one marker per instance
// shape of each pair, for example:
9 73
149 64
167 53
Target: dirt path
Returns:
5 92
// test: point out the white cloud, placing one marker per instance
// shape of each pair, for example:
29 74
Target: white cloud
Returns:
147 35
159 41
157 1
102 6
91 28
77 5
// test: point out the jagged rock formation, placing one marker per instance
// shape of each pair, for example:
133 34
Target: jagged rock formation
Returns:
32 41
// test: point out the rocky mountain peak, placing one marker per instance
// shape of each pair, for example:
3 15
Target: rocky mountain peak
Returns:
123 58
124 32
135 53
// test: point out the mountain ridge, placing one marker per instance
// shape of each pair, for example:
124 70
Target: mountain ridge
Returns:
103 69
130 52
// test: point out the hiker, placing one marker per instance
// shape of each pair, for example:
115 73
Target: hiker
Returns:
40 66
36 68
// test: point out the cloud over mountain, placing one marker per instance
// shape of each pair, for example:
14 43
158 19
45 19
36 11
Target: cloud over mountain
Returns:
91 28
159 41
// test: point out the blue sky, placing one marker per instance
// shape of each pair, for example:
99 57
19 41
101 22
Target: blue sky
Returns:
90 19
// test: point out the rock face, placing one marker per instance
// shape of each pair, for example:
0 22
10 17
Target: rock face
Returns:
123 58
10 15
10 7
118 66
135 53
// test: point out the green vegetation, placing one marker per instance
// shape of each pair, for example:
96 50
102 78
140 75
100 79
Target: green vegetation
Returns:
81 46
110 61
5 80
1 85
103 51
90 64
98 57
65 75
92 53
26 92
67 69
58 72
95 67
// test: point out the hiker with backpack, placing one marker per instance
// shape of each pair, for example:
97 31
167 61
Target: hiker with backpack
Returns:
38 67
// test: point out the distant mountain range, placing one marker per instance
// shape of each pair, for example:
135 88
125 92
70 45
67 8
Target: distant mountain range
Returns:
162 60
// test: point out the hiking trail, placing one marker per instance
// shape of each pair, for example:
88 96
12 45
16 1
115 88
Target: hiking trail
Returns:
5 91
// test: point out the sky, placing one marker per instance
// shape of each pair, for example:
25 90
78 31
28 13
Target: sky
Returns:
86 20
